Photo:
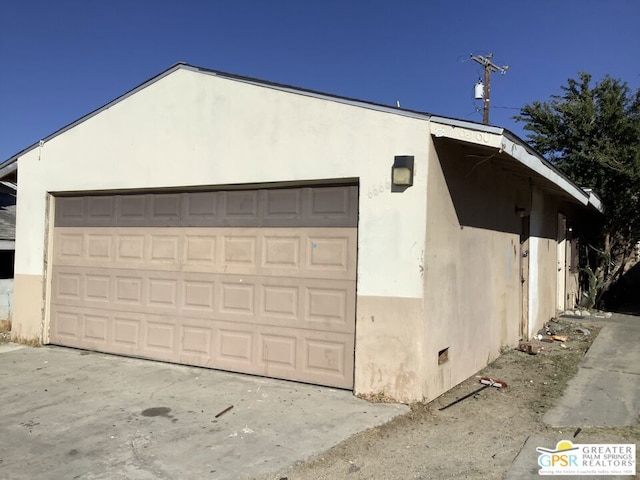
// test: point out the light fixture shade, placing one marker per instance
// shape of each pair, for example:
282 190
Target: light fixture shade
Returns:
402 171
402 176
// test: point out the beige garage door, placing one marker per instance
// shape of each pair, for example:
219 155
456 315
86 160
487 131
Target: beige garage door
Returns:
254 281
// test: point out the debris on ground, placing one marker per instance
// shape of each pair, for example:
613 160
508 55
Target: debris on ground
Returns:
223 411
559 338
583 331
486 382
530 348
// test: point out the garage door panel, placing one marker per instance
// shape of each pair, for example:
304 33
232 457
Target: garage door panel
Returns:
162 292
95 327
128 290
328 359
335 203
97 288
235 346
241 206
67 326
68 286
239 251
69 246
283 204
161 336
200 251
127 331
130 249
277 353
198 296
237 300
259 281
200 208
326 305
132 210
279 302
281 252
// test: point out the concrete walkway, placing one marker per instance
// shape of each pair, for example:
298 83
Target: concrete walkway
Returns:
75 415
605 392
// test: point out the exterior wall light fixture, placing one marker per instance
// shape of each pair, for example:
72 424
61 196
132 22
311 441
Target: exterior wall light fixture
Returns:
402 171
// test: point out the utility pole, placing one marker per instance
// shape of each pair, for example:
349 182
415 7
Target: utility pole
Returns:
489 67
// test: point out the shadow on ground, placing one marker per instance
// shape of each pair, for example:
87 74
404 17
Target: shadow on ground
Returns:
623 297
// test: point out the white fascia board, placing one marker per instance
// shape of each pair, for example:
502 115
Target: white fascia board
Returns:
453 122
466 132
519 152
595 201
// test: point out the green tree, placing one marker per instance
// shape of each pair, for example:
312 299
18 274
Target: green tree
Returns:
592 133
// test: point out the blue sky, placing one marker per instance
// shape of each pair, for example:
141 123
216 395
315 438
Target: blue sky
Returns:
62 59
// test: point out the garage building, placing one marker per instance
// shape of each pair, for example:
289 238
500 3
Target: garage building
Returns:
227 222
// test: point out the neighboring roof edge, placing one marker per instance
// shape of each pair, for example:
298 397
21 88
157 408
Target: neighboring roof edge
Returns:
8 167
231 76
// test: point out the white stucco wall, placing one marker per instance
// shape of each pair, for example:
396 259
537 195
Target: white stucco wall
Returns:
192 129
543 252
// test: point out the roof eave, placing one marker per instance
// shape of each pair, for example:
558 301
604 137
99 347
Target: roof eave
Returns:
505 141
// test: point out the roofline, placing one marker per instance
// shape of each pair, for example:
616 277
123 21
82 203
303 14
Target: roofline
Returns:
522 152
532 159
249 80
311 93
456 122
518 149
82 119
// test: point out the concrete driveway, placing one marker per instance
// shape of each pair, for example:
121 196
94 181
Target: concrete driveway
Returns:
77 415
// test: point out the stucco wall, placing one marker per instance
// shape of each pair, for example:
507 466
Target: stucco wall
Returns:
543 260
193 129
472 280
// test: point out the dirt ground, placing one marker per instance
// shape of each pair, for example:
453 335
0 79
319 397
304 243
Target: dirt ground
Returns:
477 438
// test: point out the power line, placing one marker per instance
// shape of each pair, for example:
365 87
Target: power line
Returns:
489 68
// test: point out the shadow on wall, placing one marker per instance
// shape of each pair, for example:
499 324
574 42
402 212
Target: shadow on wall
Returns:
7 260
484 193
623 296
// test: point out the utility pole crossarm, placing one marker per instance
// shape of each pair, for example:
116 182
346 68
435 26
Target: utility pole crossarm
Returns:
489 68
